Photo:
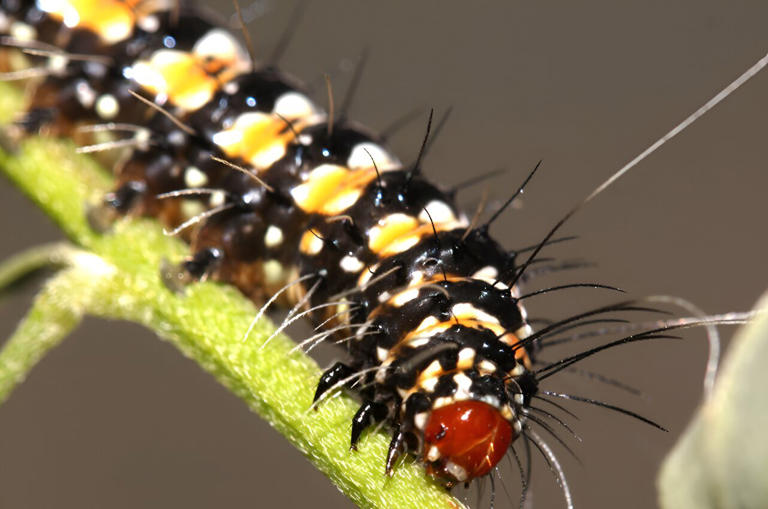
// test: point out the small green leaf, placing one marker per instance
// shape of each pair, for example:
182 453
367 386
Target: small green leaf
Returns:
56 311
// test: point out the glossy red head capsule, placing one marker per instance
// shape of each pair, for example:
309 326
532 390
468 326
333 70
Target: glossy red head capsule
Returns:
465 440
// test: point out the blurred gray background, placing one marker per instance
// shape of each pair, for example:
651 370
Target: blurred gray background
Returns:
116 418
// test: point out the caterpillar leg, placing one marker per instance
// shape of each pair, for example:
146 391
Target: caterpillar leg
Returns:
396 448
195 268
227 246
332 377
115 204
140 180
369 413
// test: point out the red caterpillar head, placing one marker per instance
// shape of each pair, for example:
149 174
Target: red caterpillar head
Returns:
464 440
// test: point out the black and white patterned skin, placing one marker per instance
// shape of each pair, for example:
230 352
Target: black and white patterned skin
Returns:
385 260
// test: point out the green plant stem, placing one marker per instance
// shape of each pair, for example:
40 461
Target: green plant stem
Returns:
117 277
48 322
48 255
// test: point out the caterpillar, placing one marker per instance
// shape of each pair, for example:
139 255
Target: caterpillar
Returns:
569 196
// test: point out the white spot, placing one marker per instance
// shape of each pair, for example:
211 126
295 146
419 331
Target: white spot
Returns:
305 139
518 426
426 323
490 401
351 264
142 137
518 398
215 42
439 211
384 296
107 106
456 471
274 272
263 159
418 341
465 309
315 244
366 276
191 208
149 74
149 23
463 386
129 72
524 331
343 201
293 105
217 198
227 138
486 366
403 245
487 274
443 401
420 420
303 193
51 5
432 371
116 32
70 15
273 237
193 177
85 94
382 353
57 63
63 8
364 155
433 454
22 31
231 88
429 384
221 44
466 358
404 297
396 220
